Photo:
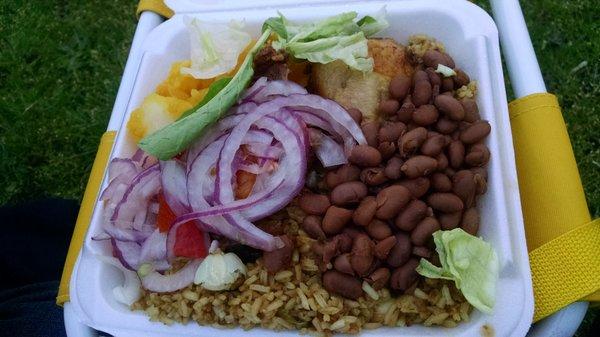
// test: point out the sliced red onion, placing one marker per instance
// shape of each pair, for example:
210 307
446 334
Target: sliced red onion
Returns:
127 252
174 181
120 172
329 152
154 247
258 137
143 186
157 282
267 151
254 89
277 89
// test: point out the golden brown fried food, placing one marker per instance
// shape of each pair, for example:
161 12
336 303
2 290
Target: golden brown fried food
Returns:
364 91
390 58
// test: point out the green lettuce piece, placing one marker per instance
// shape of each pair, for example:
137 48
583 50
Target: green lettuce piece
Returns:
338 37
176 137
371 25
352 50
468 261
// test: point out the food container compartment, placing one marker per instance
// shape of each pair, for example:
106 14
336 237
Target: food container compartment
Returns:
470 36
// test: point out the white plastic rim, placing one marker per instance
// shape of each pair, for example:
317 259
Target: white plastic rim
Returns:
470 37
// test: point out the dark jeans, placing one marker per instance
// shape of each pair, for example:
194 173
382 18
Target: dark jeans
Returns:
34 239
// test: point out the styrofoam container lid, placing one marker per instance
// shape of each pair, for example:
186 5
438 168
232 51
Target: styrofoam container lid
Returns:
470 36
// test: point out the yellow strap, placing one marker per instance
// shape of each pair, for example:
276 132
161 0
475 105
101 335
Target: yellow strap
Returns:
85 212
156 6
565 269
554 206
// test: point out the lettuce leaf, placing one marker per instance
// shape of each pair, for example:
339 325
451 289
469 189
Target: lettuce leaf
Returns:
338 37
468 261
215 47
371 25
174 138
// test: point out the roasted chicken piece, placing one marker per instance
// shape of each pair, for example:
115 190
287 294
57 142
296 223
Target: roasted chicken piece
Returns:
354 89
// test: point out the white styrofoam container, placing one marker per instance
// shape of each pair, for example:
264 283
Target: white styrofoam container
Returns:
470 36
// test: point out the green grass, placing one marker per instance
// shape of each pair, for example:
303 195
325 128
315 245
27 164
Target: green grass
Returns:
60 67
61 63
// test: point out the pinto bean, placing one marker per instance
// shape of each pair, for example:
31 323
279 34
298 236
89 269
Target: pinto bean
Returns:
432 58
422 88
424 230
421 251
379 278
312 226
424 115
348 193
392 169
365 212
315 204
433 145
480 180
445 125
406 110
362 254
389 106
475 132
342 264
470 221
383 247
343 242
280 258
411 215
390 131
365 156
419 166
373 176
417 187
447 84
391 200
442 160
399 86
445 202
370 130
449 221
434 78
440 182
400 252
450 106
471 110
478 155
387 149
456 154
335 219
463 185
342 284
461 78
356 114
412 141
405 276
378 229
341 175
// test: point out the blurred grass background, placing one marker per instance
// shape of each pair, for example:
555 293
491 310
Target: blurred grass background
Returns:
61 63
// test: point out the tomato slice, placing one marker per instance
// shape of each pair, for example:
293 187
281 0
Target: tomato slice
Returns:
190 241
165 217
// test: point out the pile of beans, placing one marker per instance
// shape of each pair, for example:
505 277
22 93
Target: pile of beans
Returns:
422 171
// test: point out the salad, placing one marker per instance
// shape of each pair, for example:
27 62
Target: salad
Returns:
314 177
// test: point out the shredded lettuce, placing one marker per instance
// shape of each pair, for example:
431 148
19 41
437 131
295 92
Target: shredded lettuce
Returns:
176 137
215 47
468 261
338 37
371 25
